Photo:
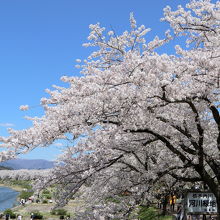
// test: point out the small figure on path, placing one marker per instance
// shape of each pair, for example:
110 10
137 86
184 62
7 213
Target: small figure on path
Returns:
19 217
22 202
7 216
32 216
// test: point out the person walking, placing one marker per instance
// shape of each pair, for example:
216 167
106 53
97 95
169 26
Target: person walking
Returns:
172 202
32 216
19 217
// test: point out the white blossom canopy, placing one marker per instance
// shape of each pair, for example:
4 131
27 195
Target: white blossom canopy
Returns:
140 116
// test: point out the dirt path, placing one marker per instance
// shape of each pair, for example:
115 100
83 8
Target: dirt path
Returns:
45 209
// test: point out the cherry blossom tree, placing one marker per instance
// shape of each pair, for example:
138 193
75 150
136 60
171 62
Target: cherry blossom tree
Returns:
139 117
23 174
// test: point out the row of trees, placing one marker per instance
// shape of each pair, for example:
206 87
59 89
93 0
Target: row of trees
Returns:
23 174
140 118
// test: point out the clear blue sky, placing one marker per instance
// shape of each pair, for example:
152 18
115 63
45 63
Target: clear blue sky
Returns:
41 39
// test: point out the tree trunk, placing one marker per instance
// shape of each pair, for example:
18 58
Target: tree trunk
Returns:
218 207
165 200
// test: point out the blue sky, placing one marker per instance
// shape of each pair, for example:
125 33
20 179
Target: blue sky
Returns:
40 41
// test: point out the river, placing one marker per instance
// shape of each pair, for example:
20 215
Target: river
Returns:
7 198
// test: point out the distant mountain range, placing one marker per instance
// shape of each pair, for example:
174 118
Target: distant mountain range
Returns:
17 164
5 168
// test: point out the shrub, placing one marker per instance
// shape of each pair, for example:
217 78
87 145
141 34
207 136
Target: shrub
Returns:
25 194
48 196
11 213
37 215
60 212
53 212
45 201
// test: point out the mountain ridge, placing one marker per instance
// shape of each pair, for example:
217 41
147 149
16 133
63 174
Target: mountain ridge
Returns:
38 164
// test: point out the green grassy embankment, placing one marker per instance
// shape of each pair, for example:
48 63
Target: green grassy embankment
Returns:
151 213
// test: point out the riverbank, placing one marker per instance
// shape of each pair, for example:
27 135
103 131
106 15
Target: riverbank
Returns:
14 187
8 198
45 209
18 186
45 204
